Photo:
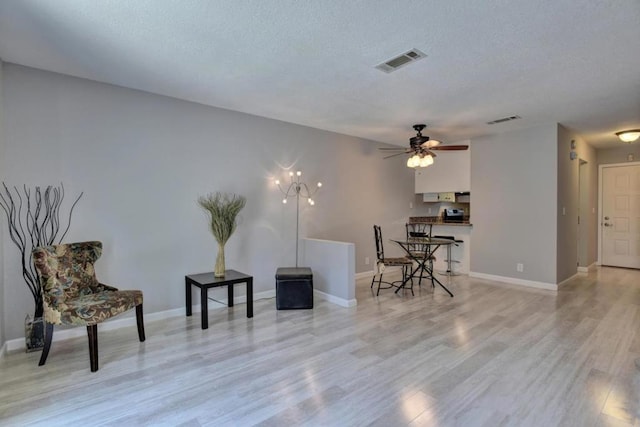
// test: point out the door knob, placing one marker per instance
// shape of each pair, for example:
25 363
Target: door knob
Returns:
606 224
606 218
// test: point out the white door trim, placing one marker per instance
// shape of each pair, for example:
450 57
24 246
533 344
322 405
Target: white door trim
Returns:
600 168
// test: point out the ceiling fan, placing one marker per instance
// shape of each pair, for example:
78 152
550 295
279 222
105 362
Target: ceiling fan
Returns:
422 148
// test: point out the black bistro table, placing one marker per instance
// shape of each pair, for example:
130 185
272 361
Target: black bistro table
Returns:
207 280
429 246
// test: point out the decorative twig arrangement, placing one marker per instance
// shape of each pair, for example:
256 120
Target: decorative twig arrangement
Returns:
222 209
33 217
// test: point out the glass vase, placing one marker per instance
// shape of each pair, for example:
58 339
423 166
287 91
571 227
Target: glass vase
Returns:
219 269
33 333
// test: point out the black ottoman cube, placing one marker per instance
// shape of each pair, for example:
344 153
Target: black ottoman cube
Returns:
294 288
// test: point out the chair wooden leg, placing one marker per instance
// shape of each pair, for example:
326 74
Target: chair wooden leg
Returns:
48 335
140 322
92 332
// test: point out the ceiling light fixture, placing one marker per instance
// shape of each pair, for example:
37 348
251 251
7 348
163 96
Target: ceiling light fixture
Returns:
629 136
298 189
420 161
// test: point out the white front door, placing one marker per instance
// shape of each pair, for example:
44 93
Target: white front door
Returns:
620 220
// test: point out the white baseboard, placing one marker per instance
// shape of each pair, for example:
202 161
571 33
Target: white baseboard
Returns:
515 281
121 322
567 279
587 268
335 300
364 274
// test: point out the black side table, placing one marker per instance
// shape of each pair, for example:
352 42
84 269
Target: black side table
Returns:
207 280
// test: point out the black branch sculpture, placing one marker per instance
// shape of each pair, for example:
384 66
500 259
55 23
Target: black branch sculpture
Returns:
33 217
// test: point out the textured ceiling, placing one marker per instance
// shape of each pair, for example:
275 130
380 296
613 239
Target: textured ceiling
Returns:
576 62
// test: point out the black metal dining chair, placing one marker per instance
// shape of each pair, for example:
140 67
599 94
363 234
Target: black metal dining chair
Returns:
419 229
383 262
418 250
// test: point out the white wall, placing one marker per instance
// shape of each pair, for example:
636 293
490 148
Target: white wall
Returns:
569 199
333 265
2 218
619 154
568 206
514 186
590 205
142 160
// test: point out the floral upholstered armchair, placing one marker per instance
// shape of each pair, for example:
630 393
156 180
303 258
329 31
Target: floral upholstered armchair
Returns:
72 294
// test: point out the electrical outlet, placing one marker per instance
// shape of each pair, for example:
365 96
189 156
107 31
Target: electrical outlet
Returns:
520 267
366 260
429 210
410 205
564 211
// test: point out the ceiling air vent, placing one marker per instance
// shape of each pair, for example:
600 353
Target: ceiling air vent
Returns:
504 119
400 61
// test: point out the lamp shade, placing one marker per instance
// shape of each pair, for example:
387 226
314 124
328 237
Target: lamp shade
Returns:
410 162
426 161
628 135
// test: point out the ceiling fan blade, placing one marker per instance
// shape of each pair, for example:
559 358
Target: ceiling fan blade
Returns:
394 155
430 143
421 145
450 147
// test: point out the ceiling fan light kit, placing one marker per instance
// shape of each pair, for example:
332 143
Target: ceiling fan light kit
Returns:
420 146
629 136
417 161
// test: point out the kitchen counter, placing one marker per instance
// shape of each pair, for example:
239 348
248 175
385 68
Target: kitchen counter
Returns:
437 220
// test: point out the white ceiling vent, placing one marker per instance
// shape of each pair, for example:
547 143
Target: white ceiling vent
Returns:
504 119
400 61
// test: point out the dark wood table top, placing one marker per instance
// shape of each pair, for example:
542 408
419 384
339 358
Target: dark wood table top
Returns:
210 279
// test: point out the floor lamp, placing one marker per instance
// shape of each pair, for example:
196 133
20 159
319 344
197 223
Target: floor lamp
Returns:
298 189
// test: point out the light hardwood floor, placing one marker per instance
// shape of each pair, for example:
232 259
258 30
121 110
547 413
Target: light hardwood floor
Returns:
495 355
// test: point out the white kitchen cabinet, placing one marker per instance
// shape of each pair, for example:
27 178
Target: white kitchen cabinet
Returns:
463 198
443 197
430 197
450 172
446 197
